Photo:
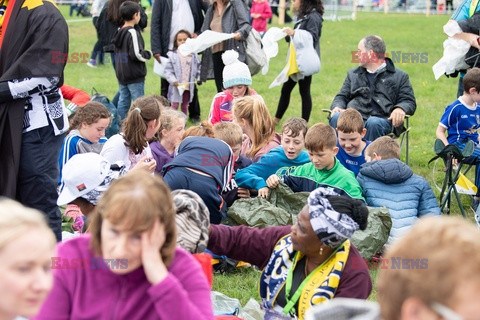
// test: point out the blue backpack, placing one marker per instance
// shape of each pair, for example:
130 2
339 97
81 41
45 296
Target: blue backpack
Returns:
114 127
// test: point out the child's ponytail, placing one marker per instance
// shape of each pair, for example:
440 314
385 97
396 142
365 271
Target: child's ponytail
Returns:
142 111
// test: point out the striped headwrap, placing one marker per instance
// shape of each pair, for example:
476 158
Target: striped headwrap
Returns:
330 226
193 220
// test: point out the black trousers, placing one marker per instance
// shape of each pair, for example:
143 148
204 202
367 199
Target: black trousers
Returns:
38 174
304 88
218 69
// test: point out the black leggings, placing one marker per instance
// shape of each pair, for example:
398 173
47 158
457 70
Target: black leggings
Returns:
218 69
304 88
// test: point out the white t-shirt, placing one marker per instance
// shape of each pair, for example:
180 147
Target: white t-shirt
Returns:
115 150
182 19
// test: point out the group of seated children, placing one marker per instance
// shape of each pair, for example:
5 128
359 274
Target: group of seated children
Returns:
233 160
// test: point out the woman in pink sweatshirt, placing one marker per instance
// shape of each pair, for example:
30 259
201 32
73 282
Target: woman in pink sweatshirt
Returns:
129 266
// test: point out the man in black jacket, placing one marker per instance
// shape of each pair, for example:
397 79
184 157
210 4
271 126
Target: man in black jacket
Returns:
381 92
169 17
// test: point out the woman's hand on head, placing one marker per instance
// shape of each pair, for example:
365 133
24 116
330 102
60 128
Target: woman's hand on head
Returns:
152 242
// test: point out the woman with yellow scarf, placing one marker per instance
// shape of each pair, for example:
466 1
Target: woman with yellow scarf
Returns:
308 263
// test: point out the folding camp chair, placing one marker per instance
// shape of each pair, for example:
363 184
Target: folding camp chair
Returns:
450 153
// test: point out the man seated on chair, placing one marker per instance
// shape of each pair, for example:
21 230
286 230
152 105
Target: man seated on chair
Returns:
462 120
387 181
381 92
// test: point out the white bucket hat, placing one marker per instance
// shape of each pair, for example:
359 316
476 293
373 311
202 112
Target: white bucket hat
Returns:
82 174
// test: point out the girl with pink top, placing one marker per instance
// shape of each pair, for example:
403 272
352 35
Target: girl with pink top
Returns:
236 81
260 13
252 115
129 266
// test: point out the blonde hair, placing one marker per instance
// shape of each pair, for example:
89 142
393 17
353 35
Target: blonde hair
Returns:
229 132
385 147
136 200
17 220
444 250
142 111
255 112
320 137
167 120
350 121
204 129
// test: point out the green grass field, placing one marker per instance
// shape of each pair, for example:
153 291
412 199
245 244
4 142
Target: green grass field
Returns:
402 32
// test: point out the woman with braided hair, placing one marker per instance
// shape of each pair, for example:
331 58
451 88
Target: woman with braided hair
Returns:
306 264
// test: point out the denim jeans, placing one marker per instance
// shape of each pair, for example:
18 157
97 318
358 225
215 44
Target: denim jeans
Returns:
128 93
376 127
38 174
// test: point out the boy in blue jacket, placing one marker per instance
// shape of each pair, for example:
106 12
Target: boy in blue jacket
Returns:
279 161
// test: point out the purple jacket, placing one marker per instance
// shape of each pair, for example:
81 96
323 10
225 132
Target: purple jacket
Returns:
92 293
255 246
160 155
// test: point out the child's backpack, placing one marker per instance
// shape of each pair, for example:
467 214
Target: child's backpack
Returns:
114 127
256 57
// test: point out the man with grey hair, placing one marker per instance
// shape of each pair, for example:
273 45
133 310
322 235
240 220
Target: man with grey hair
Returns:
381 92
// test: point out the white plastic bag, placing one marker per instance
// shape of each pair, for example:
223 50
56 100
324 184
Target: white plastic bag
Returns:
205 40
159 68
270 45
454 51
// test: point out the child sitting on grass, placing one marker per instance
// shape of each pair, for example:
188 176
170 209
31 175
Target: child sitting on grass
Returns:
168 137
388 182
324 170
280 160
231 133
351 140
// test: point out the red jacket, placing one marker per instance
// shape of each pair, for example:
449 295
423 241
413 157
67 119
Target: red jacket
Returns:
260 24
77 96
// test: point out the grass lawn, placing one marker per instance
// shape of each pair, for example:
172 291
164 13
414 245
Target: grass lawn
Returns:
403 33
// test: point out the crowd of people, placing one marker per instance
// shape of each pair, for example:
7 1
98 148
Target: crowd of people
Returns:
148 199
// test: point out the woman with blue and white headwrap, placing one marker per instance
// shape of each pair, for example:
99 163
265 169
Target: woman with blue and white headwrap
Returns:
308 263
